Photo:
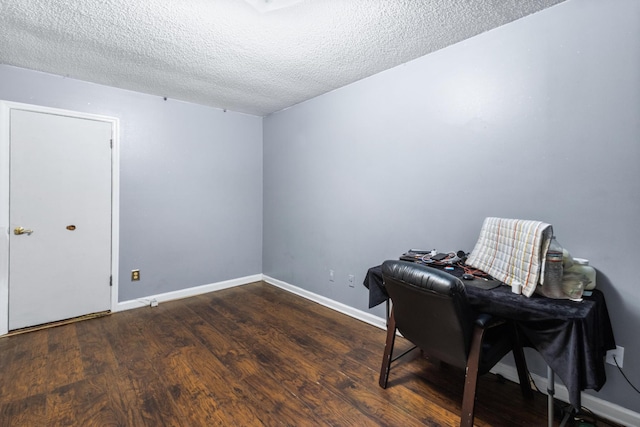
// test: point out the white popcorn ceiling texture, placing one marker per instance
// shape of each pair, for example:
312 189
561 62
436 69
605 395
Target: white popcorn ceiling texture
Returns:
252 56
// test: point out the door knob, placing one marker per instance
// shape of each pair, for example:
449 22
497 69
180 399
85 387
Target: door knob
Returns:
20 230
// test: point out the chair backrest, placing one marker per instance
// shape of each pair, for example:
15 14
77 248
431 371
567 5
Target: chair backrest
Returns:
431 309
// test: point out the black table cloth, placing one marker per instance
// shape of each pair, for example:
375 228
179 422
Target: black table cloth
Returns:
572 337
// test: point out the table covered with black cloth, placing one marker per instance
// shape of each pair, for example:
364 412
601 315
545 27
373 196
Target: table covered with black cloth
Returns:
571 336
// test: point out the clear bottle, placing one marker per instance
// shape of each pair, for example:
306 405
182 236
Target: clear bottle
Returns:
578 278
552 284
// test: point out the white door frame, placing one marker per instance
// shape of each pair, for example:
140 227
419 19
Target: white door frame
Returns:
5 108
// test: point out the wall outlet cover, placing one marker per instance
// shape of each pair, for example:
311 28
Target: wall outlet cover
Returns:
618 353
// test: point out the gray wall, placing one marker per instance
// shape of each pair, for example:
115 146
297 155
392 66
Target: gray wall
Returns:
190 182
539 119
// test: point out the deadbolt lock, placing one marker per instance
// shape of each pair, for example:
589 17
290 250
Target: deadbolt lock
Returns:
20 230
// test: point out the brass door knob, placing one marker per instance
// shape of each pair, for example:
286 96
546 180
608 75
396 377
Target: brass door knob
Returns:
21 230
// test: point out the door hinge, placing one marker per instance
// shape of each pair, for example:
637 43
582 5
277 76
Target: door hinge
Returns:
110 280
111 143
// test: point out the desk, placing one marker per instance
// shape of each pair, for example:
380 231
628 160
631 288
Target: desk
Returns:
572 337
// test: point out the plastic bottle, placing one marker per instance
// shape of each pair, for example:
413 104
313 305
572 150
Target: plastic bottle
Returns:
552 284
573 283
582 272
567 259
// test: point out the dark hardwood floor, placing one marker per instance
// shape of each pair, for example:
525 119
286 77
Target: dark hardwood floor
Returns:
247 356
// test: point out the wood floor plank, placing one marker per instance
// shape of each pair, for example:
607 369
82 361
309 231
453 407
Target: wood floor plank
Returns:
255 365
296 348
303 312
25 376
310 341
238 364
198 401
95 350
29 411
64 361
136 354
175 354
65 405
253 355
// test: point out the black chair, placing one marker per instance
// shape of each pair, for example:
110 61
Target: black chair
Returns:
430 309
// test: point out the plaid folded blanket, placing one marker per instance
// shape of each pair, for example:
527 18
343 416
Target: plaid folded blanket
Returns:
512 251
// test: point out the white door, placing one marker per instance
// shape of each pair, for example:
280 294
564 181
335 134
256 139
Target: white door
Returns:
59 216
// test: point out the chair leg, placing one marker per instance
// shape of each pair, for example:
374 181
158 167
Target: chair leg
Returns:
471 379
521 365
388 351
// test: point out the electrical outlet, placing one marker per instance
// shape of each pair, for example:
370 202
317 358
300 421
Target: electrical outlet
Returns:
332 277
352 280
135 275
618 353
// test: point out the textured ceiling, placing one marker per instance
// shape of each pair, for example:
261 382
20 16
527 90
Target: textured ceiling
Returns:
252 56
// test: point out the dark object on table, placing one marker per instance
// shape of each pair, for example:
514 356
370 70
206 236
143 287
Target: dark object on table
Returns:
430 309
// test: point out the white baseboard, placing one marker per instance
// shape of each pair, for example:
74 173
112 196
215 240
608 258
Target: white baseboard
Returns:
601 407
332 304
184 293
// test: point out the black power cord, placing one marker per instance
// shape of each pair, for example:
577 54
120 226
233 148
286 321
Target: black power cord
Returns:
625 377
